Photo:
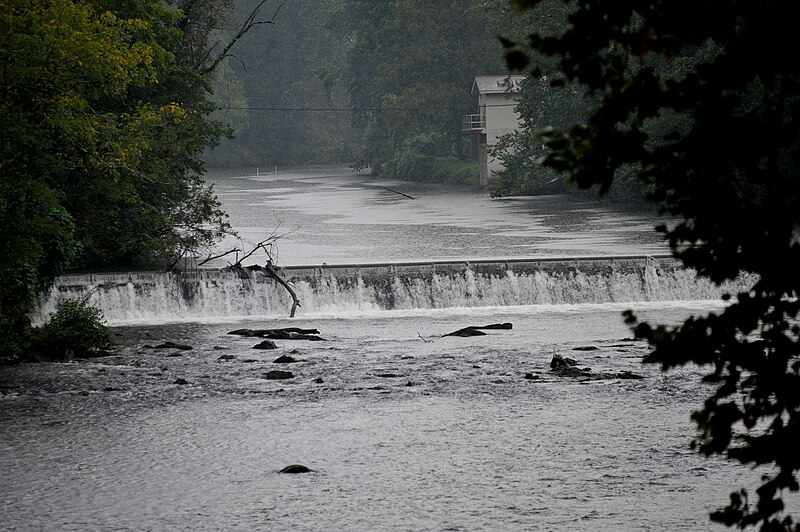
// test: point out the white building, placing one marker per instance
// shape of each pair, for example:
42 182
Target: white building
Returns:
497 101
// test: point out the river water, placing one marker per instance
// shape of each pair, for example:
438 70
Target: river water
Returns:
405 429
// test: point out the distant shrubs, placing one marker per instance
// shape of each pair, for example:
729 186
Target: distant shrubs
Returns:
76 329
409 165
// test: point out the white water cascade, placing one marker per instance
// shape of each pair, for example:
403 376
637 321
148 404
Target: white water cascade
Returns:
132 297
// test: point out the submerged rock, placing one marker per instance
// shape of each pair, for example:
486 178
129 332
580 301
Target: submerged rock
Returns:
170 345
466 331
286 333
180 381
573 371
296 468
475 330
504 326
567 367
283 335
278 375
226 357
284 359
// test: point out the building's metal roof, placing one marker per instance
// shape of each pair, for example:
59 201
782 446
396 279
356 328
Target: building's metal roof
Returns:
496 84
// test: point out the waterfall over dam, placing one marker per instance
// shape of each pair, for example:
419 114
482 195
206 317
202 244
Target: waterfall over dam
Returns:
148 296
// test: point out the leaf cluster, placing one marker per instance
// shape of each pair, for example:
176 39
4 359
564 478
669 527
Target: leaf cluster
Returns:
701 99
103 120
72 331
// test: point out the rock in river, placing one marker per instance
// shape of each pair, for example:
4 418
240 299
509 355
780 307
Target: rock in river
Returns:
170 345
266 344
562 362
275 375
296 468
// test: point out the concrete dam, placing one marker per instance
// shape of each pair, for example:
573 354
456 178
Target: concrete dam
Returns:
347 288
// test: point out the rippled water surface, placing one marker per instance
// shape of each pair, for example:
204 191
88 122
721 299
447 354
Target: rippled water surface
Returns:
405 429
340 217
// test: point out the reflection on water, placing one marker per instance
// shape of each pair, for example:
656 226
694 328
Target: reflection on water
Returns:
343 217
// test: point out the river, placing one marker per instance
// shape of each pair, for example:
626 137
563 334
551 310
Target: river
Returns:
404 428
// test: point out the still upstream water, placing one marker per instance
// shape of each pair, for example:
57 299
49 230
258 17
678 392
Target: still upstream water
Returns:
405 429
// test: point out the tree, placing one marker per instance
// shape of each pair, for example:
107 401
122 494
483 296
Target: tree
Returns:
409 80
726 164
274 96
103 119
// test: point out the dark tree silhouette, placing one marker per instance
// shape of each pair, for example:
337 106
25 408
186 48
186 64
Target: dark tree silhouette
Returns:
720 81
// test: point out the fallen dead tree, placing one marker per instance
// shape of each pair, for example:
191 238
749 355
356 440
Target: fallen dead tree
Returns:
266 246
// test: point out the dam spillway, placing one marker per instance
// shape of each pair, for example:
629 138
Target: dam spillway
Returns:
345 288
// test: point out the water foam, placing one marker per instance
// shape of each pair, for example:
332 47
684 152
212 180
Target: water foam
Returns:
153 297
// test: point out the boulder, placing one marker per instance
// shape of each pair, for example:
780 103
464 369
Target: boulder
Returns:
180 381
296 468
266 344
284 359
559 361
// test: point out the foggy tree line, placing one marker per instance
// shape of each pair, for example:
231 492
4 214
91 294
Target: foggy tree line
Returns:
404 68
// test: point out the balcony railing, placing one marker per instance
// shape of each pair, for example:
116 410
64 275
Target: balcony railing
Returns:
473 122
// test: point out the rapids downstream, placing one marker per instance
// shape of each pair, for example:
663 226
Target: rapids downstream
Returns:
404 428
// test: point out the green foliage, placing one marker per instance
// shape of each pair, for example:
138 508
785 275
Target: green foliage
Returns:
74 330
408 78
701 103
411 166
298 64
104 117
355 80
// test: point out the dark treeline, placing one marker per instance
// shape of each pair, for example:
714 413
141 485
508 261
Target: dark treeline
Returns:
698 105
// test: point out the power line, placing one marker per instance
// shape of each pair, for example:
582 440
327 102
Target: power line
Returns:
351 109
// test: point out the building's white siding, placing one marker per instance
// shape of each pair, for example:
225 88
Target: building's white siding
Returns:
496 105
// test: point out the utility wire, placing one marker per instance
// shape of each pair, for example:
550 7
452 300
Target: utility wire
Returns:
312 109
